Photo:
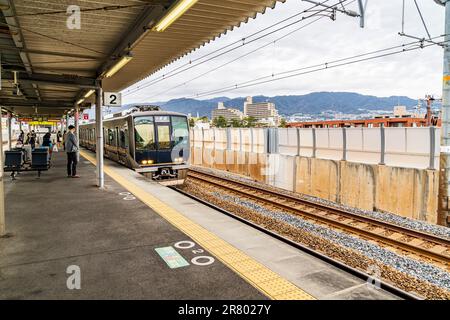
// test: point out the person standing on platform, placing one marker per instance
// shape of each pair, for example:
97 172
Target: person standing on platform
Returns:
46 142
33 140
21 138
71 146
58 139
64 137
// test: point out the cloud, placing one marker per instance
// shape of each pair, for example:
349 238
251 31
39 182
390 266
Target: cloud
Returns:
413 74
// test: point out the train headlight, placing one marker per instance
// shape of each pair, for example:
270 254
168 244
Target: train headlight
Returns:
147 162
179 159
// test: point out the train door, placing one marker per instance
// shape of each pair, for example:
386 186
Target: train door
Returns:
163 136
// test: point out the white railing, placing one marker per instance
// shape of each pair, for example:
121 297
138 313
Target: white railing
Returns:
400 147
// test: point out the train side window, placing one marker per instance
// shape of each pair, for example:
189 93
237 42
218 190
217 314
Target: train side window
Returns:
111 137
123 138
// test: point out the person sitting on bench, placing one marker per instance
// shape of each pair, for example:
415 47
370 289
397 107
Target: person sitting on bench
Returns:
46 142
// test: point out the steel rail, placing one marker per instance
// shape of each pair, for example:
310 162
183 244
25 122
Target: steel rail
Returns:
424 252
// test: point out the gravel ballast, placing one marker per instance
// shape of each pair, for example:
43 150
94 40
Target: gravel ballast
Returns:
415 268
413 224
406 273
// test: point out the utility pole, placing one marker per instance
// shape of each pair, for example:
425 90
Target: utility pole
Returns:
444 165
430 99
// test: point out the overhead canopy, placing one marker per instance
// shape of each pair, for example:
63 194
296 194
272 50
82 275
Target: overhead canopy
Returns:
57 65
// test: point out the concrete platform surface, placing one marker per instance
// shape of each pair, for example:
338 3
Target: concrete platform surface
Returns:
314 276
56 222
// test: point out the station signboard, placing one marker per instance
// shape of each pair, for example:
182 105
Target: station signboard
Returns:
41 123
29 120
112 99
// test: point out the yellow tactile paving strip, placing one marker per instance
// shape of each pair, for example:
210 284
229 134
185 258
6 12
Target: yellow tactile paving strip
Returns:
259 276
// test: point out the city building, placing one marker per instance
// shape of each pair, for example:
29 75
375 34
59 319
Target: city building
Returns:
400 118
228 113
201 125
264 112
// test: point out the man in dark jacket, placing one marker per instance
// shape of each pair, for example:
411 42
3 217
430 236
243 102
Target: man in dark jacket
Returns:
71 144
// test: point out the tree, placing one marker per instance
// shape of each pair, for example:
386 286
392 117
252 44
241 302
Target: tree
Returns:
249 122
220 122
191 122
236 123
283 123
204 119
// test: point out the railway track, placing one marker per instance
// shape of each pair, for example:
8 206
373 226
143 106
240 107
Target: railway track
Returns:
407 242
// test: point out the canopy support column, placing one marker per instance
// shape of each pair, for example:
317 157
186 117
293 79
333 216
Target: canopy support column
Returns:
77 128
2 193
99 137
9 122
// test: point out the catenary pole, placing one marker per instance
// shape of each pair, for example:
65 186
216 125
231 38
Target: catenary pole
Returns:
444 165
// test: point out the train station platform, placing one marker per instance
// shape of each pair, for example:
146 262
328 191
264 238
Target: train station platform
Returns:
137 239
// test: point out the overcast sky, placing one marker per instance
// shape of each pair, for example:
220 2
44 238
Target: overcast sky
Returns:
413 74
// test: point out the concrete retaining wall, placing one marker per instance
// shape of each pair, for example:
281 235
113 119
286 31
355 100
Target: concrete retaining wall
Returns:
407 192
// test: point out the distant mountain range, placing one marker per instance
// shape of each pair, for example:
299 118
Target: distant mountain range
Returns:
312 103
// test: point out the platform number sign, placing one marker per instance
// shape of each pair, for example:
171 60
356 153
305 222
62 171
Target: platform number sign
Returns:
112 99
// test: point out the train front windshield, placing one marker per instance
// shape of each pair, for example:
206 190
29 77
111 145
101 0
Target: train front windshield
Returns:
161 139
144 132
180 131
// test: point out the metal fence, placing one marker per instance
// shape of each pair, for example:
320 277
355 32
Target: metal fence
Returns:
401 147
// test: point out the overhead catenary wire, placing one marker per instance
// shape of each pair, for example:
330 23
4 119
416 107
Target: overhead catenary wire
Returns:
338 60
235 59
231 61
171 73
240 41
325 67
317 67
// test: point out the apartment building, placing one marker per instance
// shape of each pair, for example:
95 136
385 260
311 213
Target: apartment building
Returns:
228 113
262 111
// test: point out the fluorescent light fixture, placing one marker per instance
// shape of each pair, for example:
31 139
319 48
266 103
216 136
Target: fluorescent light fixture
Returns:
89 93
119 65
174 13
80 101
